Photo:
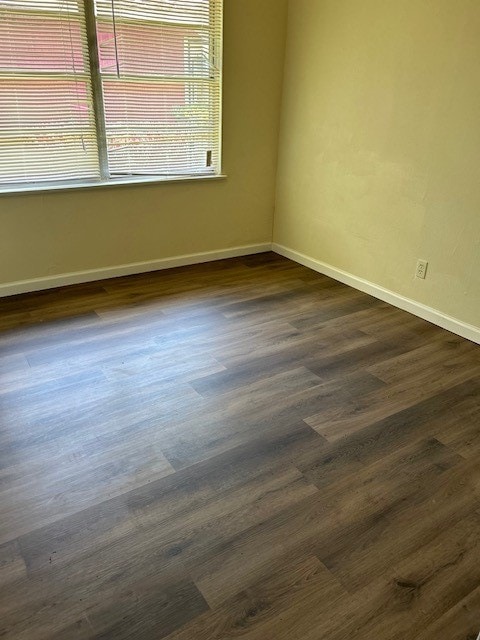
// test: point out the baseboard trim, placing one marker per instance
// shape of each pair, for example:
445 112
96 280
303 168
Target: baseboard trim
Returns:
430 314
435 316
91 275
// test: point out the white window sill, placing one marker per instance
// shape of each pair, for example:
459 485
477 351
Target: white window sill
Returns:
18 189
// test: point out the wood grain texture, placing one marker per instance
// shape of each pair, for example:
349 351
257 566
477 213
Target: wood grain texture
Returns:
241 449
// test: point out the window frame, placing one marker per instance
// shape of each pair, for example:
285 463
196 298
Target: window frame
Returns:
19 188
106 179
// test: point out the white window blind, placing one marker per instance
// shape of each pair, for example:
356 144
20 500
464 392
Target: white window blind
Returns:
160 65
47 126
99 89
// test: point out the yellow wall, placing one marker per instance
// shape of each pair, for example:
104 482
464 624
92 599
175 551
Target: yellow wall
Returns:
61 232
380 144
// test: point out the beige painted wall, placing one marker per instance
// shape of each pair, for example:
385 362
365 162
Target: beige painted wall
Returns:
61 232
380 144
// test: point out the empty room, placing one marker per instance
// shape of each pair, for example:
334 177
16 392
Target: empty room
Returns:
239 319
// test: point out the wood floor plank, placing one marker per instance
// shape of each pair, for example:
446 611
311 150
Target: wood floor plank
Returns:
12 564
379 438
355 506
275 404
253 612
425 586
459 428
416 520
403 392
460 622
238 449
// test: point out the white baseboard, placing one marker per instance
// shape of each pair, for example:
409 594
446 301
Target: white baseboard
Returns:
91 275
435 316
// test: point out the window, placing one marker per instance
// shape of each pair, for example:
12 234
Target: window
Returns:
92 90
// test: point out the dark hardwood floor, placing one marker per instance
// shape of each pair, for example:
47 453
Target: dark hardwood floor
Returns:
243 449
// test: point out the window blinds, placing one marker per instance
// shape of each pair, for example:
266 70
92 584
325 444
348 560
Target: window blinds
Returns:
160 64
97 89
47 127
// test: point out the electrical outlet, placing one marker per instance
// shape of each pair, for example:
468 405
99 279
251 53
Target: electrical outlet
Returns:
421 271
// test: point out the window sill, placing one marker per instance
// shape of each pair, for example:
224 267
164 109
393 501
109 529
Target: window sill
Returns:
20 189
